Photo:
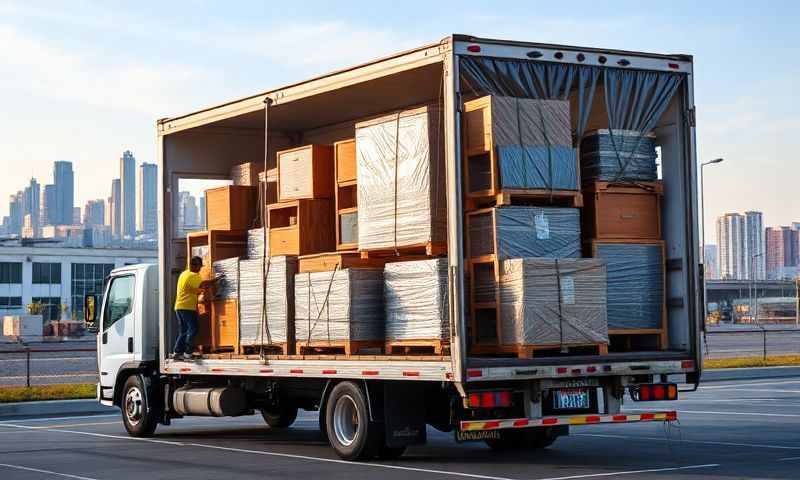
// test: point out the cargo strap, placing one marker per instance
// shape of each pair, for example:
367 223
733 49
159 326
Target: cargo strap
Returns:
321 308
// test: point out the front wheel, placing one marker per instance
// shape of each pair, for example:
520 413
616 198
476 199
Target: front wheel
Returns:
138 415
350 432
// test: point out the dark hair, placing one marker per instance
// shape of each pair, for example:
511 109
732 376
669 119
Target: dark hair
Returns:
196 261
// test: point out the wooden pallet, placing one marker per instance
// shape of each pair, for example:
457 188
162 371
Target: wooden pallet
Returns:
345 347
271 349
639 339
427 249
418 347
531 351
538 197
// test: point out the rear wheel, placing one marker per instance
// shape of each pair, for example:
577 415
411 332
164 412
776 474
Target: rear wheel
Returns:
282 416
350 432
138 415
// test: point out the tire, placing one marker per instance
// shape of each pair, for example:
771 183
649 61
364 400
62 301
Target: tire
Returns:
523 439
350 432
138 415
281 417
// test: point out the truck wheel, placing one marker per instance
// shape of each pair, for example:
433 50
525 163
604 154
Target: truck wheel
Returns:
281 417
139 417
350 432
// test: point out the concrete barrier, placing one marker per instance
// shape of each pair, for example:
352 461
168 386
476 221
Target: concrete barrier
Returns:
53 408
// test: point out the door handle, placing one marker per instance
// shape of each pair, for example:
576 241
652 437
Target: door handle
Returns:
130 344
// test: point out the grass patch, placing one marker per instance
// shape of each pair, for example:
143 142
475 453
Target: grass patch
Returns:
68 391
744 362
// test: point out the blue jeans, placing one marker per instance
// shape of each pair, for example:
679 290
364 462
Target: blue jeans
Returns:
187 328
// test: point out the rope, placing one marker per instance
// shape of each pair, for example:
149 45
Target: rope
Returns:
265 254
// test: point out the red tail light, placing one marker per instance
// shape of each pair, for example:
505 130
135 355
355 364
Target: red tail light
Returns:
652 392
487 400
474 48
490 399
474 400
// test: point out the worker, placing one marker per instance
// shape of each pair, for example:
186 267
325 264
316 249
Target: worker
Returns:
190 285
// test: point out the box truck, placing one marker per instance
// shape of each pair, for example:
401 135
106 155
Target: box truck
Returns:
375 405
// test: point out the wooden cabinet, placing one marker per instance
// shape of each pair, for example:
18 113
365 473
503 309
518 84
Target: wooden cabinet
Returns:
225 325
630 211
213 245
346 194
301 227
233 207
305 172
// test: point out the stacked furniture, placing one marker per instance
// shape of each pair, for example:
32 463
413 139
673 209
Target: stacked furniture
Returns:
622 226
346 195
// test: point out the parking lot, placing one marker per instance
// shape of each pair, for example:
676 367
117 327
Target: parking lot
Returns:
744 429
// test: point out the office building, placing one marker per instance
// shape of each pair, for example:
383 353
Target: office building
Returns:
94 212
711 262
31 198
48 206
114 208
187 212
754 248
15 214
730 242
64 181
201 212
147 212
127 178
783 252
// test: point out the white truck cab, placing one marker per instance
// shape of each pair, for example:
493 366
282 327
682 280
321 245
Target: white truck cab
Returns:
127 329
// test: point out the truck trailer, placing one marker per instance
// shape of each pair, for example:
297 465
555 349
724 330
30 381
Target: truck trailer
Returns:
374 406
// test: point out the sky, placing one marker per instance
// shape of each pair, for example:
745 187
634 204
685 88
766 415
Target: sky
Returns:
84 81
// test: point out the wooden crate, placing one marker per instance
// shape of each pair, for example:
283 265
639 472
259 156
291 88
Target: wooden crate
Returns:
662 332
305 172
233 207
326 262
346 195
301 227
630 211
224 325
481 164
213 245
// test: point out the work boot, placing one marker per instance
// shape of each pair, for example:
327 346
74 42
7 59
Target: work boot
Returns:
187 357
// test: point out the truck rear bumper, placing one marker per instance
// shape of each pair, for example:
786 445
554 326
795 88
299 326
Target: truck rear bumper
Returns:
480 425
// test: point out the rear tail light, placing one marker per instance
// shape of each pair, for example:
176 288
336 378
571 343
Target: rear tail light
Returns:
653 392
490 399
474 48
687 364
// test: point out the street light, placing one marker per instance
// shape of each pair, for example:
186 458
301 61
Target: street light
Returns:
703 226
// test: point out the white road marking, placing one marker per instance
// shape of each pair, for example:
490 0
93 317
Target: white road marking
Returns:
38 470
788 459
70 425
93 434
752 384
709 412
683 440
76 417
631 472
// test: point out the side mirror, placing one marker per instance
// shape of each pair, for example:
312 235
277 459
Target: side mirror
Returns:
90 313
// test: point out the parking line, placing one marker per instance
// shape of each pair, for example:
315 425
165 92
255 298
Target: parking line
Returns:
710 412
683 440
76 417
739 385
38 470
71 425
632 472
787 459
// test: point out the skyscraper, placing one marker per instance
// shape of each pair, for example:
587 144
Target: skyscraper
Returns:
730 241
64 180
127 178
187 212
94 213
115 209
783 252
15 214
48 206
148 210
755 260
710 258
30 207
201 212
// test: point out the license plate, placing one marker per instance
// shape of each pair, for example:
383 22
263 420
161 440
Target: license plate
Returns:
571 399
477 435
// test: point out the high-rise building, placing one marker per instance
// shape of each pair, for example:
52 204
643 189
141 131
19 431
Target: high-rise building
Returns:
15 214
730 241
76 216
754 251
114 209
94 213
30 208
187 212
711 262
64 180
127 178
201 211
147 211
783 252
48 206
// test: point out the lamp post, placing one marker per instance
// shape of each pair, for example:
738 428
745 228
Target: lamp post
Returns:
703 228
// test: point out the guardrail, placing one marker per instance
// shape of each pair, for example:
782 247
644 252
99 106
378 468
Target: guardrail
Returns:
753 341
26 354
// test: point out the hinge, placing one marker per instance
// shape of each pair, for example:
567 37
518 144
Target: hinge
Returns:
691 116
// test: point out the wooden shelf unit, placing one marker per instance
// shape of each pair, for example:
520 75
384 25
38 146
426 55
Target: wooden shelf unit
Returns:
213 245
346 195
233 207
301 227
622 211
305 173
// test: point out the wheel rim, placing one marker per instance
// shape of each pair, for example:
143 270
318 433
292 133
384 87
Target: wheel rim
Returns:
134 405
345 420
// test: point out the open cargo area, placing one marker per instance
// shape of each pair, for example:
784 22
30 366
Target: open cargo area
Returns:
466 205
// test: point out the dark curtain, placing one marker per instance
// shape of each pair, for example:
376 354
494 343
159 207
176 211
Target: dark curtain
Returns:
531 79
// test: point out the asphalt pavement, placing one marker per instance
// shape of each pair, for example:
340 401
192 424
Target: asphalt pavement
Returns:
742 429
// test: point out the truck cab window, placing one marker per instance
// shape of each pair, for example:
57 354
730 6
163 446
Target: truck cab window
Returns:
120 300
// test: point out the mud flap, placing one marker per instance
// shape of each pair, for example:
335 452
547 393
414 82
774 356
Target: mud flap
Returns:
404 413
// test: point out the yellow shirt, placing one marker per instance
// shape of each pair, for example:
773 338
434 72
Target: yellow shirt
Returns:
188 289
